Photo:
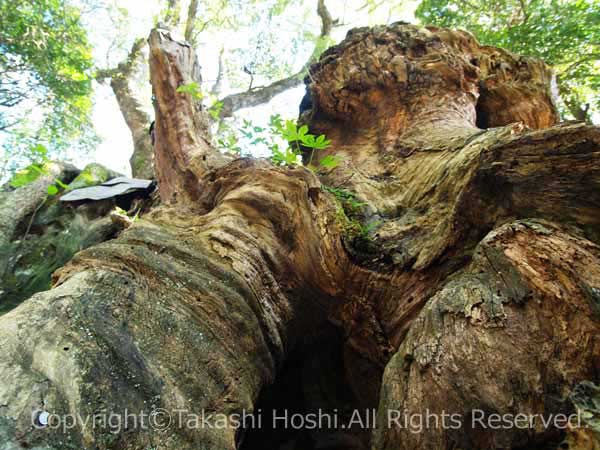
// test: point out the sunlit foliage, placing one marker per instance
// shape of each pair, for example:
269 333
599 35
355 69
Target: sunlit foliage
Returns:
45 77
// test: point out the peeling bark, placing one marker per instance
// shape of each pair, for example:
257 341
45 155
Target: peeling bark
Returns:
183 151
512 333
474 288
402 105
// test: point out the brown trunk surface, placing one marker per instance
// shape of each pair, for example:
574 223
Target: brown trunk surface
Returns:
464 276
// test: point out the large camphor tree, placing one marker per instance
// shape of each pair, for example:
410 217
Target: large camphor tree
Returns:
449 263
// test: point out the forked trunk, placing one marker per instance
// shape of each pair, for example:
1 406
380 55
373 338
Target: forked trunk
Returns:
448 265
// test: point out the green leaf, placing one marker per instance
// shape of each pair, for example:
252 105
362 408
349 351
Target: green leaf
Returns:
302 131
330 161
52 190
28 175
308 140
322 144
38 168
290 133
40 150
60 183
291 158
192 88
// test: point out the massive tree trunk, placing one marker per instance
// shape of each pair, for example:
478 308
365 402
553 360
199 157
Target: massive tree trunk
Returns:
449 264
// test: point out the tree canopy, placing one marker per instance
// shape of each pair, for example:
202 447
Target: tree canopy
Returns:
46 66
564 33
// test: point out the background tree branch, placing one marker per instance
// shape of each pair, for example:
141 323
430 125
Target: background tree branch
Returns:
264 94
191 22
137 119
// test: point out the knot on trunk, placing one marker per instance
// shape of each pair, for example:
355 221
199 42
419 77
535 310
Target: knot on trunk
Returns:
401 76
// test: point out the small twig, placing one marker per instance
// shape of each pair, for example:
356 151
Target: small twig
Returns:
33 217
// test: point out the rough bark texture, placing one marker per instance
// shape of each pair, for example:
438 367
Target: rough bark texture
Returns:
16 205
467 266
183 153
41 234
402 105
175 296
511 333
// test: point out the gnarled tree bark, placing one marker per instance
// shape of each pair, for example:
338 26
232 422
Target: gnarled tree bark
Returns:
474 280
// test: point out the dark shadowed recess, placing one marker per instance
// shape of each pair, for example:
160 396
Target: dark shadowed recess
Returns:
313 380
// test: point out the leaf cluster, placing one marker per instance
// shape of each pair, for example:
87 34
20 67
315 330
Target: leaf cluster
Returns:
192 88
45 77
39 168
284 139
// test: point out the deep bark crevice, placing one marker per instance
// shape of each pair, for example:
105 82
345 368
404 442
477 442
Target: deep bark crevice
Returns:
482 119
313 380
478 289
